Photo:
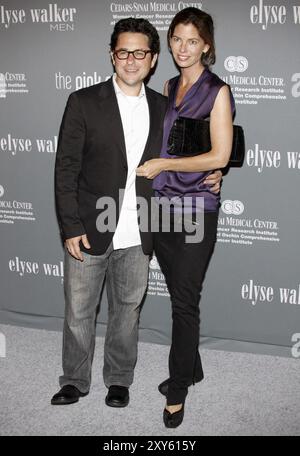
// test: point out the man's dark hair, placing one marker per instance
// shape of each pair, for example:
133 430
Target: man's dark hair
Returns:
136 26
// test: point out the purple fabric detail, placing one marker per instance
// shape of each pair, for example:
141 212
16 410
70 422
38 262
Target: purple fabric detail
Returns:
197 103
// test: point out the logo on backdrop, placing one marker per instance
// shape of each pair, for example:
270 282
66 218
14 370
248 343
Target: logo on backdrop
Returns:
13 146
25 268
249 89
262 159
12 83
156 280
15 211
266 16
296 86
232 207
160 14
2 86
256 293
239 64
58 19
296 347
154 263
2 345
233 229
69 82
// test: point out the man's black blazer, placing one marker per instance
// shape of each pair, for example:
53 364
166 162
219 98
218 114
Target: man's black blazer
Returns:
91 161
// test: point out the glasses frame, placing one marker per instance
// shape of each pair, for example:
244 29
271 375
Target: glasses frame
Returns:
115 53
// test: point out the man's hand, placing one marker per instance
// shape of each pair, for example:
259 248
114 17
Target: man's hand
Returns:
214 180
73 248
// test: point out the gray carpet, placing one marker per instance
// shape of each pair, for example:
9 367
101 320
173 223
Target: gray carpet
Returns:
242 393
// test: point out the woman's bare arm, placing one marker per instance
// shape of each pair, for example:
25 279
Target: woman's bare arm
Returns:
221 131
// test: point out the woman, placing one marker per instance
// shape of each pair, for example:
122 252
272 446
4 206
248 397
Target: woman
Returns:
199 94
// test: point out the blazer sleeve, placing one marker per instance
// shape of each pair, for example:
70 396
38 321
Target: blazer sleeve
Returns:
67 168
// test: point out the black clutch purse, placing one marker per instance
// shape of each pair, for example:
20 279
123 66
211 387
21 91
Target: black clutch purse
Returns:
190 137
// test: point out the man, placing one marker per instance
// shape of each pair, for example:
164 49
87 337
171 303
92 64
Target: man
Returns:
107 131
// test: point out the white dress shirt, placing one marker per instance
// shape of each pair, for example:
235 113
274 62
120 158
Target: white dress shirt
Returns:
135 121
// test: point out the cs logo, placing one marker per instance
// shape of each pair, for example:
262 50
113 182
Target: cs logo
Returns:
296 86
232 207
2 86
154 263
239 64
2 345
296 347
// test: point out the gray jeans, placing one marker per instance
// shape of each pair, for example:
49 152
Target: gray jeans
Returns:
126 272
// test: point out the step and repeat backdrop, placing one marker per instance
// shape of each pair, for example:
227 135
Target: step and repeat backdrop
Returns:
252 287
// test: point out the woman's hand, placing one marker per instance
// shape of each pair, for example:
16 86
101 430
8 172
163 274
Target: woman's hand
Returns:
151 168
214 180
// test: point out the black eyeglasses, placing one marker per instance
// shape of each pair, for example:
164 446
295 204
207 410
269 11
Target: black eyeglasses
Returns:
138 54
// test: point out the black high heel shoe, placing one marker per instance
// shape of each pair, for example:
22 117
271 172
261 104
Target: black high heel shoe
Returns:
173 420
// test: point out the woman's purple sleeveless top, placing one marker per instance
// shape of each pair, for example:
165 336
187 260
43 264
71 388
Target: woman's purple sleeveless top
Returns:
197 103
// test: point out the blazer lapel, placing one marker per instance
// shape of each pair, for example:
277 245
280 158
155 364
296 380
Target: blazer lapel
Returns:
153 126
109 107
